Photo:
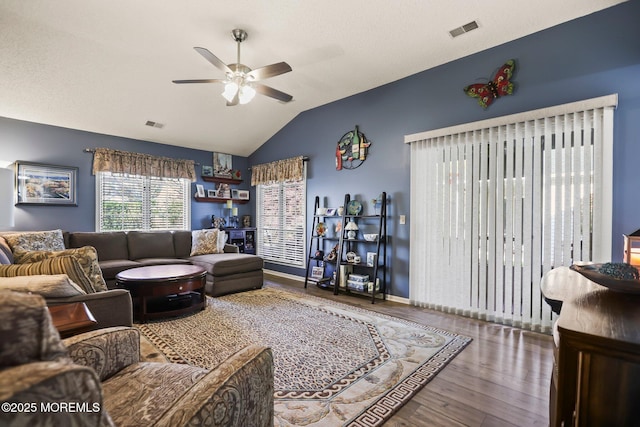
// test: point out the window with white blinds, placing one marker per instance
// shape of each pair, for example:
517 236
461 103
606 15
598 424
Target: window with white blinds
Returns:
496 204
281 222
133 202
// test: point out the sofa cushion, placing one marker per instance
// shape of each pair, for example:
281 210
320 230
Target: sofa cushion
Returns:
49 286
86 256
110 245
114 266
227 263
182 243
204 242
162 261
57 265
150 244
36 240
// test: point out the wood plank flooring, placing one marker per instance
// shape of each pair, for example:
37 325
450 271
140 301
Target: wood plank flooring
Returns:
501 379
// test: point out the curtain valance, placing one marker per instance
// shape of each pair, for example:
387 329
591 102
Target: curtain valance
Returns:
286 170
107 160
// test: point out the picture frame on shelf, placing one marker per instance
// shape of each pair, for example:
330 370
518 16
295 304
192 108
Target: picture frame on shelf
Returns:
317 273
222 165
207 170
212 193
200 190
372 257
243 194
43 184
234 194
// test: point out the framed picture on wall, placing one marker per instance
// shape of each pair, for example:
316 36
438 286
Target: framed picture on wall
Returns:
222 165
41 184
243 194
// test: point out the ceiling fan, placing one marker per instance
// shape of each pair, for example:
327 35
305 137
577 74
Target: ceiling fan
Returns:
241 82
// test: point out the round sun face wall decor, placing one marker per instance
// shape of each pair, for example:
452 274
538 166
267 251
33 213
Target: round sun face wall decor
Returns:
351 150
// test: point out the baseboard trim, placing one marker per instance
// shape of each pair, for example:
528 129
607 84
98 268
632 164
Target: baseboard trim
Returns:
300 279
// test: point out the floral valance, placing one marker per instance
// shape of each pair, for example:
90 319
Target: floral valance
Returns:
286 170
107 160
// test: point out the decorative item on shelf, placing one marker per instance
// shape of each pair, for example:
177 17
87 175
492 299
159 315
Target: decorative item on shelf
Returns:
319 255
330 212
371 259
340 210
224 190
246 221
499 86
236 174
321 211
351 229
333 254
351 256
233 214
321 229
218 222
354 207
370 237
207 170
351 150
222 165
338 228
317 272
200 190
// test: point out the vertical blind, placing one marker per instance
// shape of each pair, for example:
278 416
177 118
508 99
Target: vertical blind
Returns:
496 204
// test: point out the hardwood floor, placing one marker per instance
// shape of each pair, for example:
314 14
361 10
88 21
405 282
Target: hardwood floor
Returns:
500 379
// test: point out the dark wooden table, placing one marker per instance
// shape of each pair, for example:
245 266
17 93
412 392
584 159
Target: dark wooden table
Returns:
72 318
164 290
596 378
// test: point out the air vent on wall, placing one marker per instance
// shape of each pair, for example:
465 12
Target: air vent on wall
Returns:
464 29
154 124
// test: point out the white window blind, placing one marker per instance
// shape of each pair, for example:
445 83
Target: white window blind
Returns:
133 202
498 203
281 222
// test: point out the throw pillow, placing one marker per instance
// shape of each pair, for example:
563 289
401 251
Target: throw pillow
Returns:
204 242
222 240
36 240
49 286
57 265
87 256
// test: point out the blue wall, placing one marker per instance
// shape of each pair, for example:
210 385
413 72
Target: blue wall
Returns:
20 140
593 56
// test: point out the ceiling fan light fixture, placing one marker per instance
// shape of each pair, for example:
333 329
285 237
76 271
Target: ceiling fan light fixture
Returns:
230 90
246 94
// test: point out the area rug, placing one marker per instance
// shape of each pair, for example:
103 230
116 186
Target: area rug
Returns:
335 365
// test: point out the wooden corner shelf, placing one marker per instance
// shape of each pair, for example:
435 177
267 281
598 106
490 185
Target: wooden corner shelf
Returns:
221 180
220 200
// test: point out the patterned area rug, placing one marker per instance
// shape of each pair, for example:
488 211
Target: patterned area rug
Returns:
334 364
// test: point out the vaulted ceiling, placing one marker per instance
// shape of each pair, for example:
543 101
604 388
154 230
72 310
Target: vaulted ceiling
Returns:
107 66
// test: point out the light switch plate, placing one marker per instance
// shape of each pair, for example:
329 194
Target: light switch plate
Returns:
403 219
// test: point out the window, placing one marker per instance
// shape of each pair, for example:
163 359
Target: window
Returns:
281 222
134 202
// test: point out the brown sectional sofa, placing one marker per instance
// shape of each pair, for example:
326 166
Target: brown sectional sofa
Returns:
227 272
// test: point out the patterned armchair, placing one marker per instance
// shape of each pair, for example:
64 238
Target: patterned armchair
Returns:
96 378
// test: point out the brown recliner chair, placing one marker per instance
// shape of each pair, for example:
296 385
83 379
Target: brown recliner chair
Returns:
96 378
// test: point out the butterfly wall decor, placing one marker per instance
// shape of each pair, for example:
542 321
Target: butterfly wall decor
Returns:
500 85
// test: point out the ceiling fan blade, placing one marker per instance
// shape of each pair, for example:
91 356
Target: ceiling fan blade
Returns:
269 71
213 59
273 93
198 81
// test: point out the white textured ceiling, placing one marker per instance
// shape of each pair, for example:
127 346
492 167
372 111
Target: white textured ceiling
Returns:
106 66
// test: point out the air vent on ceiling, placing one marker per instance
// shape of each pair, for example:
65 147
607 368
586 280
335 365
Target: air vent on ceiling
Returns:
464 29
154 124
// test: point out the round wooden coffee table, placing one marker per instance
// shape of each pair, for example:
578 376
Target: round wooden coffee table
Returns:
164 290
